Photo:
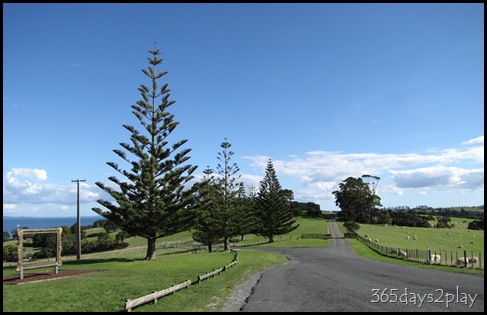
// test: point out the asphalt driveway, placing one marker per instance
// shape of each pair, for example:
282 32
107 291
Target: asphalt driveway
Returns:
334 279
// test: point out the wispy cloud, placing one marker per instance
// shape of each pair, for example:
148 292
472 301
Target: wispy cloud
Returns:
317 172
25 185
34 173
320 172
440 177
475 140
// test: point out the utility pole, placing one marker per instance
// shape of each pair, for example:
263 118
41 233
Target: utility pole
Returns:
78 241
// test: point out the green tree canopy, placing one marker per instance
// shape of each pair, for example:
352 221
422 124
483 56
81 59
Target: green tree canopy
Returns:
351 226
356 200
224 210
231 191
273 209
207 228
6 236
153 200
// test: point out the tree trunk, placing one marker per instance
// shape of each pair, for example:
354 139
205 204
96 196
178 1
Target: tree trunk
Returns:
225 244
151 249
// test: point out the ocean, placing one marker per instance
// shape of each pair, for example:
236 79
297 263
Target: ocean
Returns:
12 223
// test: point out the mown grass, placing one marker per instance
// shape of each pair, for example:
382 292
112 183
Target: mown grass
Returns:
116 280
123 274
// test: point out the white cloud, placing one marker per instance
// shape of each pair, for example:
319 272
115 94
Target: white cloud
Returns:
440 177
395 190
320 172
474 154
251 180
475 140
33 173
312 177
25 185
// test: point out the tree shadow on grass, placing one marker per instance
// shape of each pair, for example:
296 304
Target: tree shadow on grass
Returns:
98 261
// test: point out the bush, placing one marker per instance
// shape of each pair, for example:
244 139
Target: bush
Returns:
45 253
10 253
476 225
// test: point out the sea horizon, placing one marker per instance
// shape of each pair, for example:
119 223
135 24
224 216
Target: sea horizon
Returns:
11 223
56 217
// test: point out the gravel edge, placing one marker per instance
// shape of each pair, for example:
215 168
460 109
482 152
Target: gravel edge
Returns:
241 293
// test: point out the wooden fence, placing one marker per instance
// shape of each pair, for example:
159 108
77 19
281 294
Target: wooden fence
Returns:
210 274
130 304
460 258
319 236
195 247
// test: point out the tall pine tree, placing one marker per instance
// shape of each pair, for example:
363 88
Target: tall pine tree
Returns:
245 219
231 191
273 208
152 201
207 228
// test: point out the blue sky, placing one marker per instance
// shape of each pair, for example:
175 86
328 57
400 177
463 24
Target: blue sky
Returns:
326 91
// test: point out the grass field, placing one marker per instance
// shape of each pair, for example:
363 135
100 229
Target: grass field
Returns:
123 274
428 238
457 238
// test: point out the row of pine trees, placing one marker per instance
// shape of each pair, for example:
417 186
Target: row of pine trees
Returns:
226 210
155 198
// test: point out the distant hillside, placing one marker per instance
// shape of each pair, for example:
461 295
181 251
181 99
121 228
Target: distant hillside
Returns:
473 212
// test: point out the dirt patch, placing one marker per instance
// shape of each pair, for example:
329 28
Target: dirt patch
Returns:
44 276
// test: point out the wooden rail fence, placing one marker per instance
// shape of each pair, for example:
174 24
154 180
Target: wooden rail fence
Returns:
460 258
129 304
210 274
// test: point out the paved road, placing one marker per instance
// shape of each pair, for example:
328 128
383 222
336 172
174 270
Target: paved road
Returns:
334 279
